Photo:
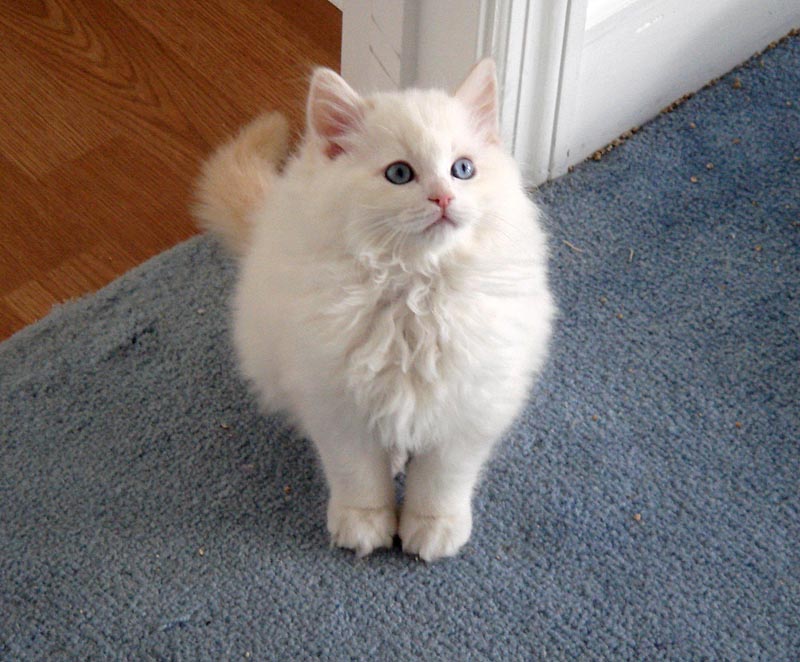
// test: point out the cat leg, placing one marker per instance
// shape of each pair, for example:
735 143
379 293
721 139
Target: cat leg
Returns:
436 519
362 512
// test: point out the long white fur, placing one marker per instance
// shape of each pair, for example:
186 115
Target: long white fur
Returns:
384 338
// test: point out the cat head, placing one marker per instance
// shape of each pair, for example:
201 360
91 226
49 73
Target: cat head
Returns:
418 170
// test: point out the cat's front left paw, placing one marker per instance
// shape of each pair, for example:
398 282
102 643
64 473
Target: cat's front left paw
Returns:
362 529
434 537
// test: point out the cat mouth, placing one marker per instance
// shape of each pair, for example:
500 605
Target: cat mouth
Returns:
442 222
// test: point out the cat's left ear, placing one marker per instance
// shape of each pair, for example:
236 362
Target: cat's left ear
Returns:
479 93
335 111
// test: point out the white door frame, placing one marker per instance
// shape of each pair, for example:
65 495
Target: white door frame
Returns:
537 44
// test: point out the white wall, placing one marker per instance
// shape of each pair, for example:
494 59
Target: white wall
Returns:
388 44
379 43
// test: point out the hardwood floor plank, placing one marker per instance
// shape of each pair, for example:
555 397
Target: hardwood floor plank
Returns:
252 39
32 240
110 63
45 126
112 105
10 318
29 302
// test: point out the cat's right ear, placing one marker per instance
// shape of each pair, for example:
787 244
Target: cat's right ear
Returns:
335 111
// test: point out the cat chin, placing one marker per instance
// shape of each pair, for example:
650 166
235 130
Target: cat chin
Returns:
437 240
442 224
418 250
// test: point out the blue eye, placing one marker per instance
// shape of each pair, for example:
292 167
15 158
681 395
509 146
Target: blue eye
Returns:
399 173
463 168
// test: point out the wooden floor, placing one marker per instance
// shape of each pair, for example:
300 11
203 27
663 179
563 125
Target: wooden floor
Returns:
108 108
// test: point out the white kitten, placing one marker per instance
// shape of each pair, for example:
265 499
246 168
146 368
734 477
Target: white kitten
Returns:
392 297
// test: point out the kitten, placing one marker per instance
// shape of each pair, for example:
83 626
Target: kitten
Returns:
392 296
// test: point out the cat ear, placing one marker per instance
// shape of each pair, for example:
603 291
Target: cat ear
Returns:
335 111
479 93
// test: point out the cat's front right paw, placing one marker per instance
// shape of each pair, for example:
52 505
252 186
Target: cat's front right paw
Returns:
433 537
362 529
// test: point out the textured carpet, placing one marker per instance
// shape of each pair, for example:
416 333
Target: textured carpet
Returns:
645 507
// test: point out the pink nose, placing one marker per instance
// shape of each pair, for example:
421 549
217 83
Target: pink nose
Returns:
443 200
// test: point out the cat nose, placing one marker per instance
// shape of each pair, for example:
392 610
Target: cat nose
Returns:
442 199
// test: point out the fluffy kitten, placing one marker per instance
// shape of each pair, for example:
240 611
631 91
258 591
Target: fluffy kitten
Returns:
392 296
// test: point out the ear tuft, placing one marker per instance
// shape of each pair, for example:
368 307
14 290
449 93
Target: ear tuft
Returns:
479 93
335 111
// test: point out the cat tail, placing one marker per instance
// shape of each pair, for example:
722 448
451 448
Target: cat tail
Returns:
238 177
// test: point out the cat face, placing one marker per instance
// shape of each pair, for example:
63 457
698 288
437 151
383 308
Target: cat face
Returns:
418 169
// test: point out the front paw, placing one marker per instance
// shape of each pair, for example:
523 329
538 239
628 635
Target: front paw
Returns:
433 537
362 529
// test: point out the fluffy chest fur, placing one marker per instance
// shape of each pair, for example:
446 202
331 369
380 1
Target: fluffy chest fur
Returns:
416 355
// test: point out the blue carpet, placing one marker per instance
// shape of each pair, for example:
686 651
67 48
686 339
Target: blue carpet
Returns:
645 507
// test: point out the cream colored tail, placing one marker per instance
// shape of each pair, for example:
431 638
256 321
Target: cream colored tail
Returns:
237 178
